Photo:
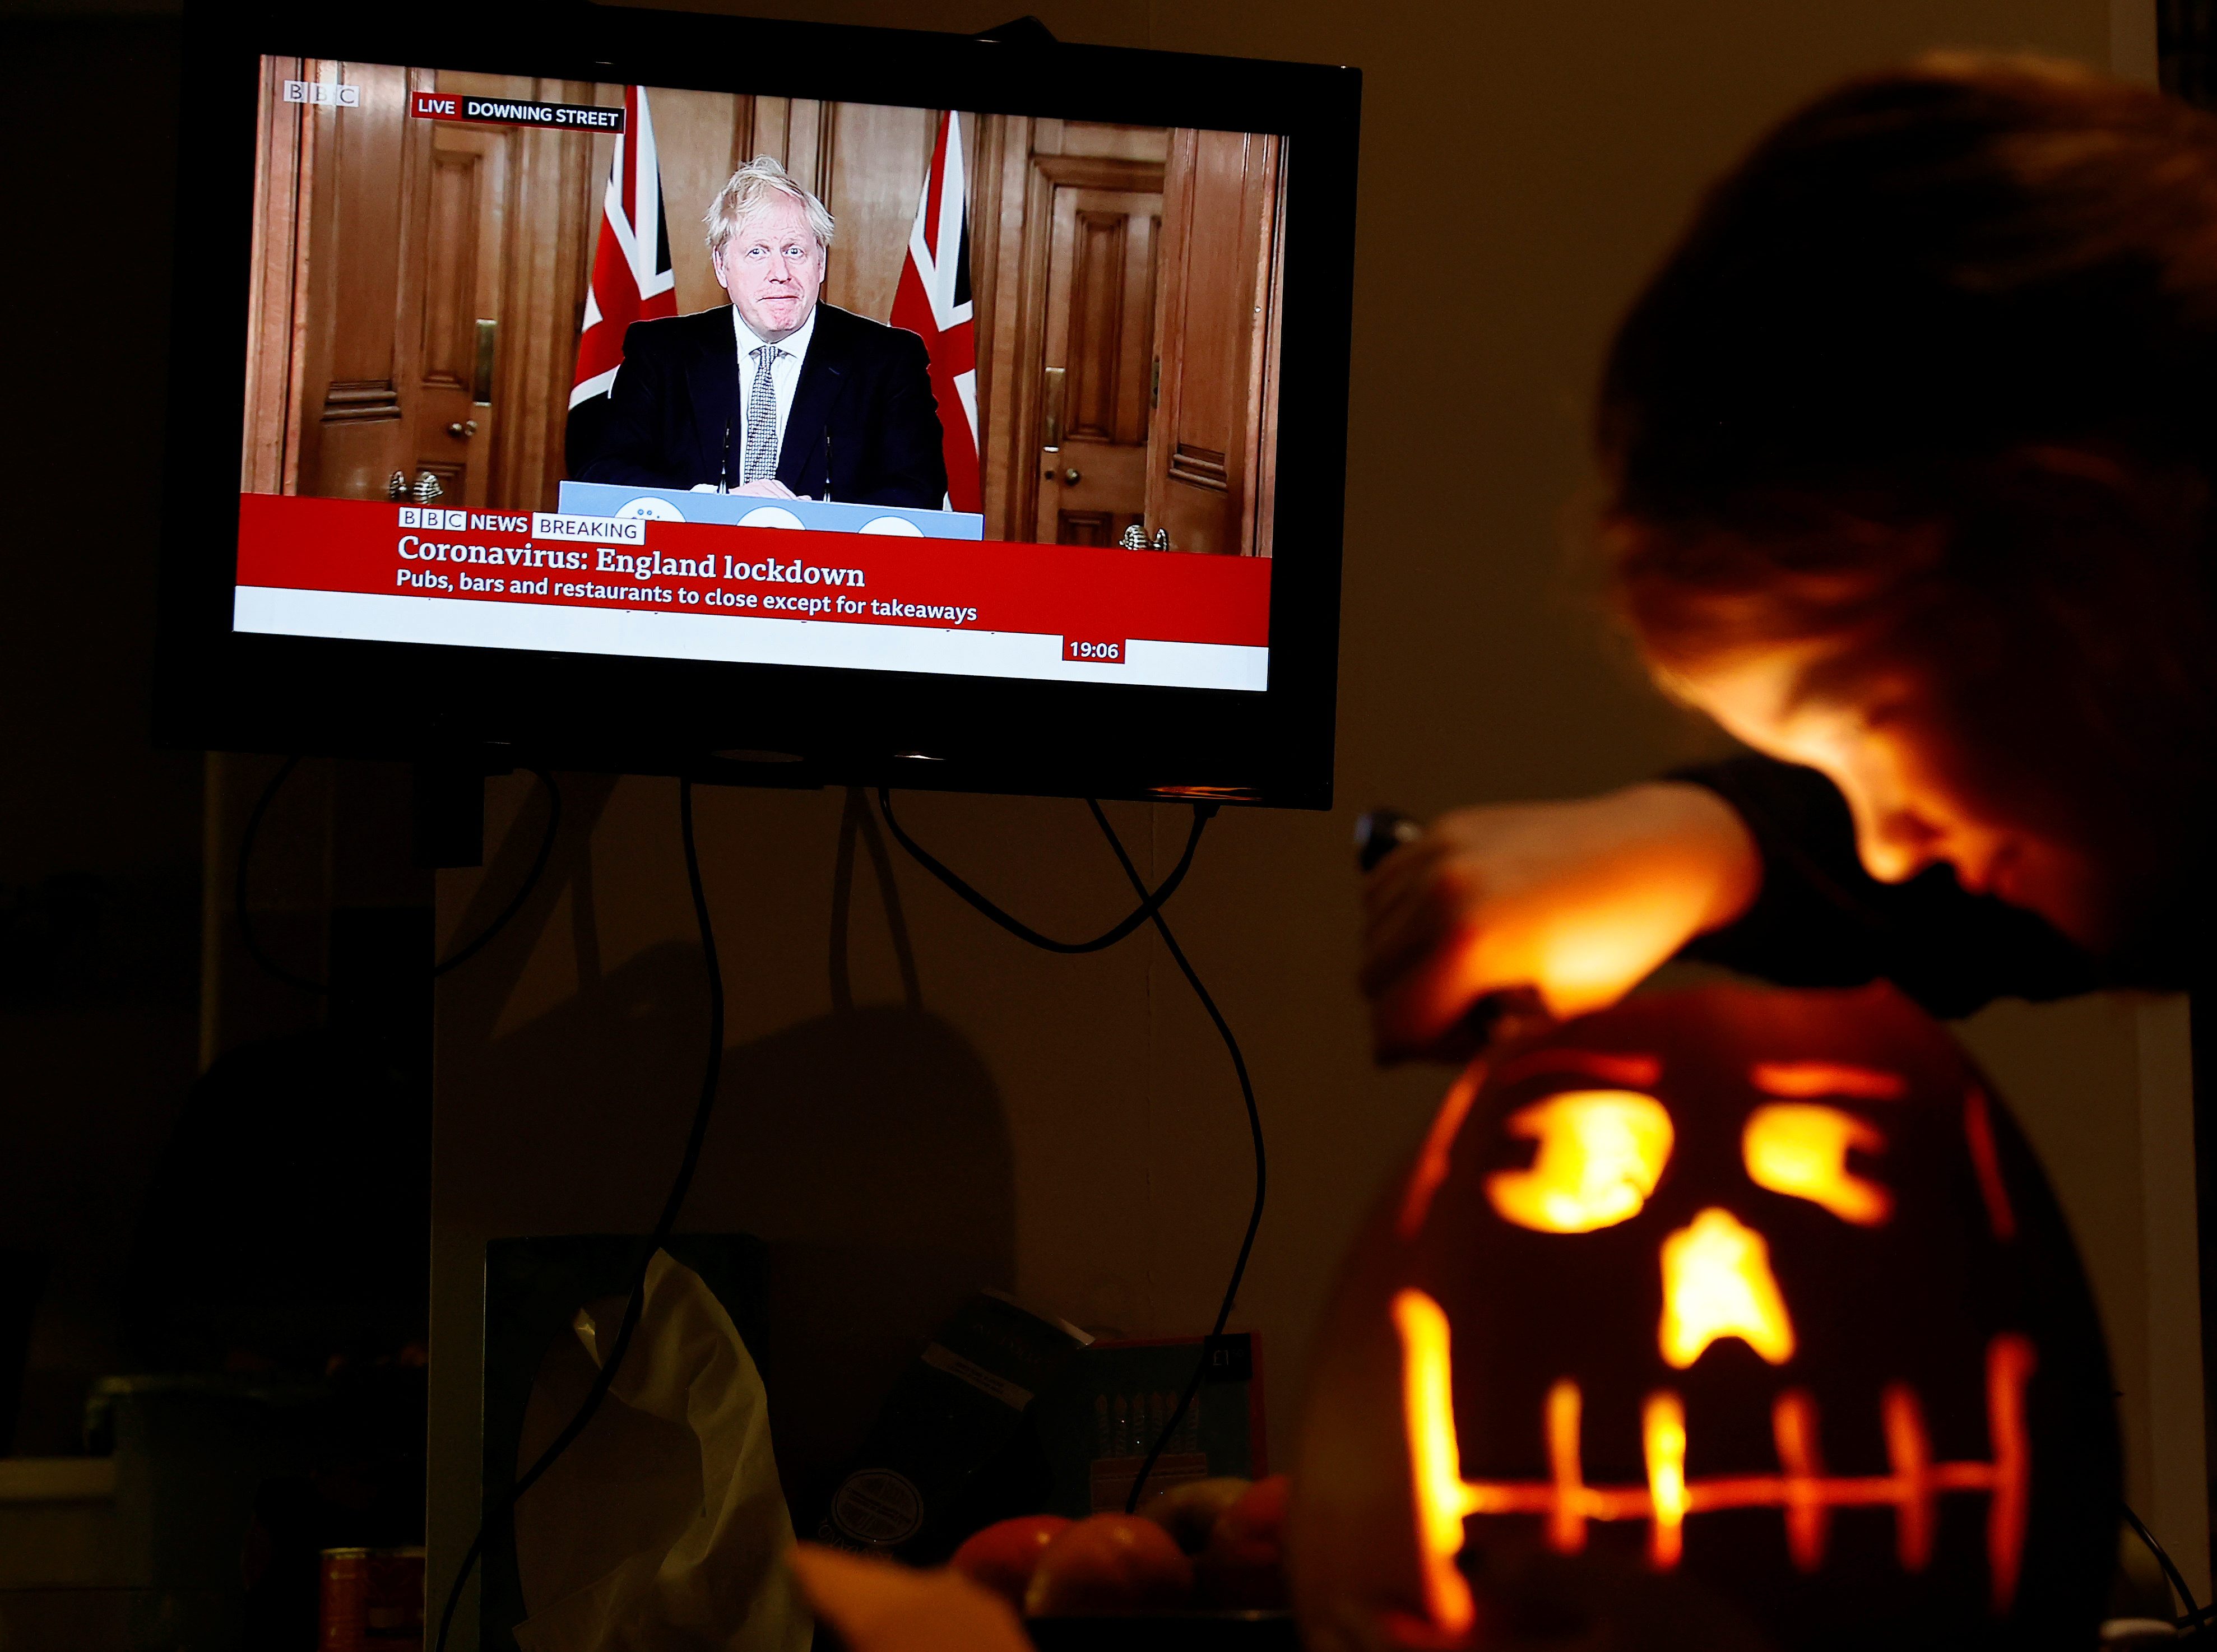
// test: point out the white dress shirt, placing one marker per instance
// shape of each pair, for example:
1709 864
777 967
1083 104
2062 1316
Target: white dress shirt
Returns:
784 376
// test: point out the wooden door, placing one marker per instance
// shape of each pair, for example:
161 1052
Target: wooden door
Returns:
399 300
360 168
1097 362
1210 450
464 220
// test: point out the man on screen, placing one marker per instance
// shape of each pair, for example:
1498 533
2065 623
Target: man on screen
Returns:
778 396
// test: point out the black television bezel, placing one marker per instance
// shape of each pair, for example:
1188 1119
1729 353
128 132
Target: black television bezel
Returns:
220 689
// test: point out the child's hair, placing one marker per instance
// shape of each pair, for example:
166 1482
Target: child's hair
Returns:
1934 374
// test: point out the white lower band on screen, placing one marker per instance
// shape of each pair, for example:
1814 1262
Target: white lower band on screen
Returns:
464 622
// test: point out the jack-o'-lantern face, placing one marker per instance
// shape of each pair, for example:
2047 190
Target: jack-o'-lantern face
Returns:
1757 1292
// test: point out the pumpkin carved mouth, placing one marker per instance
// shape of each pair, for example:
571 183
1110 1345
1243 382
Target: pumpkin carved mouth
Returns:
1802 1489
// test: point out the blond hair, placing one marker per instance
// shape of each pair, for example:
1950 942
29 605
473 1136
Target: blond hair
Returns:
751 189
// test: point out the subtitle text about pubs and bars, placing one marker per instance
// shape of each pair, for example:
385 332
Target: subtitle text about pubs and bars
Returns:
508 578
513 112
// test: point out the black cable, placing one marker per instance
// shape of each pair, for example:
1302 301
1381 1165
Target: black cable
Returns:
272 967
530 880
1254 1129
1149 903
2193 1617
710 1075
1150 908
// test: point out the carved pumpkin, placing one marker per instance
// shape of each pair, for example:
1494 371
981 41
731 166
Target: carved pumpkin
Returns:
1729 1317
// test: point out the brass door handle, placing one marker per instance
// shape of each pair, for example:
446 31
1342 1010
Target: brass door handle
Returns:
1071 476
481 391
463 428
1058 388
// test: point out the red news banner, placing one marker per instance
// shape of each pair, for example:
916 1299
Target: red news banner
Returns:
1094 598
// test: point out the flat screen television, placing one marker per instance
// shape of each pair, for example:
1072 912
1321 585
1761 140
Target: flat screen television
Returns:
670 392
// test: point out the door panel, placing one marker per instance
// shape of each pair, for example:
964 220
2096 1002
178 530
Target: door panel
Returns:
1021 167
363 161
367 179
1098 358
1216 327
281 194
463 242
403 288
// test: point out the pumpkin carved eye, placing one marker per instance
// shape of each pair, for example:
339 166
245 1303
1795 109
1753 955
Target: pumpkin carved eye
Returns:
1600 1153
1800 1148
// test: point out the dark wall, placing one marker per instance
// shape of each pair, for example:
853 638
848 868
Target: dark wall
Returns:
99 835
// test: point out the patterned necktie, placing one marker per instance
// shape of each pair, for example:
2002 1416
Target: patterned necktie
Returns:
761 417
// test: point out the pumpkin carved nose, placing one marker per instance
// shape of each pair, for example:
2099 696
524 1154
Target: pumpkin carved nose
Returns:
1717 1282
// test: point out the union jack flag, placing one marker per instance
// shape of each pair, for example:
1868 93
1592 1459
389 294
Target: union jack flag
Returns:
633 278
933 301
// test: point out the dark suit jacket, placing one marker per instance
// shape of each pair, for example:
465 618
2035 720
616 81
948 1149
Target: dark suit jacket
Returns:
863 413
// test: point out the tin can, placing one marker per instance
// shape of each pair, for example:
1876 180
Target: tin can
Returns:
372 1600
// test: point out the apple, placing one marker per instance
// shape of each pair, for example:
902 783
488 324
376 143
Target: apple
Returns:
1189 1513
1001 1557
1110 1563
1244 1565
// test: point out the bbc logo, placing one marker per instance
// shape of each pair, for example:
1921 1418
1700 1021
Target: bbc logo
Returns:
421 516
319 91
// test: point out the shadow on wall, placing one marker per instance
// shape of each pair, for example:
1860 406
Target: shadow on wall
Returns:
867 1149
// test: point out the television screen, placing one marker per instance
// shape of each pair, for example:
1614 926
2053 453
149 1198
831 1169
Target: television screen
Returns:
978 407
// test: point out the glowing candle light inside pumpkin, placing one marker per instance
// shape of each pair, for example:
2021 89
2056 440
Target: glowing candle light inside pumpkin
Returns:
1801 1149
1909 1449
1434 1458
1600 1153
1566 1522
1794 1427
1663 1433
1717 1282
